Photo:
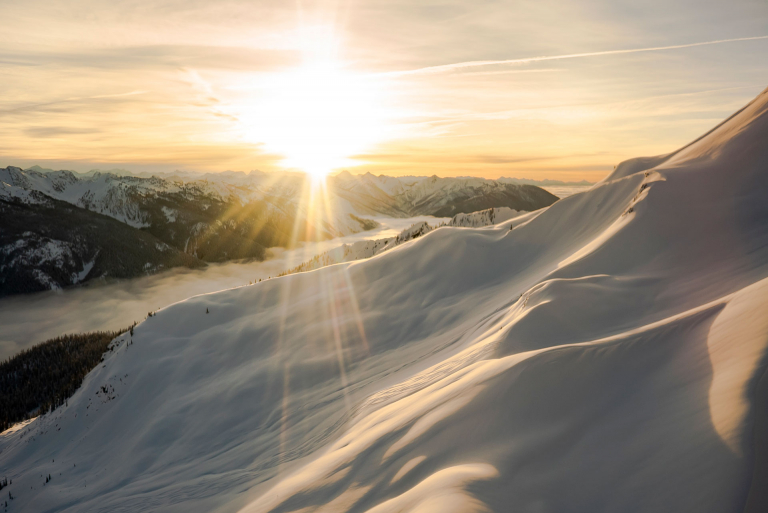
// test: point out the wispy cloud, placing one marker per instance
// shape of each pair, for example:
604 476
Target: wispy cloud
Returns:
157 56
55 131
511 72
55 105
473 64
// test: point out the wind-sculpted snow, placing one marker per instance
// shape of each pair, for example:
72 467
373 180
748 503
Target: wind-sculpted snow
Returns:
602 355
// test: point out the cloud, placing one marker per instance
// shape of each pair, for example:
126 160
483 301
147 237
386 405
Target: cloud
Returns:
56 131
159 56
472 64
511 71
75 103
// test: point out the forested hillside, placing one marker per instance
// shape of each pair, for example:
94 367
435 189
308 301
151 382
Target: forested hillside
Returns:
43 377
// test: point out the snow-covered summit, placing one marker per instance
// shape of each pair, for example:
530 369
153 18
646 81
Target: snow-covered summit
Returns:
104 193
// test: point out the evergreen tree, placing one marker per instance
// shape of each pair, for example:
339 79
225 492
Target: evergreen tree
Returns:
43 377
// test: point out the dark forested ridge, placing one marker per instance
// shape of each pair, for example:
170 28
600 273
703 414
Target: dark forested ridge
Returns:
43 377
53 244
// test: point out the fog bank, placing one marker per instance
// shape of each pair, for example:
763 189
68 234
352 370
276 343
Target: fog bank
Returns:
563 191
28 319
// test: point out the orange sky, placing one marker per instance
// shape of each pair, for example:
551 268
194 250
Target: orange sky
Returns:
392 87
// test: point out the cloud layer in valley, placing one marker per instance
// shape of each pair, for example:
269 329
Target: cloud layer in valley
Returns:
26 320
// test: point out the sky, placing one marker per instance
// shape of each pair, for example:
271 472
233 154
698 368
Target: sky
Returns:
530 88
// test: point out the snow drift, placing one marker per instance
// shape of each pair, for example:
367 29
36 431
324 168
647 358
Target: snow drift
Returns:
605 354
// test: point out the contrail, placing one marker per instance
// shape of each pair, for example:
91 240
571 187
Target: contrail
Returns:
473 64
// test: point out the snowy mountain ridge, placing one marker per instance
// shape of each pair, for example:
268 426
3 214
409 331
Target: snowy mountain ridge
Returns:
368 248
122 197
216 217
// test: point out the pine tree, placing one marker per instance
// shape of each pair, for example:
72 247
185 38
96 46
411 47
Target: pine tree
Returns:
46 375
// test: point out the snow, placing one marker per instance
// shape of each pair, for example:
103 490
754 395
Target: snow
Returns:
591 358
105 193
33 250
170 214
46 280
38 251
87 267
368 248
10 192
484 217
344 198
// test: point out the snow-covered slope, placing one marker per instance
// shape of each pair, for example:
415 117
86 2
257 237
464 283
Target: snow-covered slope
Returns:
103 193
368 248
607 354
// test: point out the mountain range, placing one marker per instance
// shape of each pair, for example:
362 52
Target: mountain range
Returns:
166 222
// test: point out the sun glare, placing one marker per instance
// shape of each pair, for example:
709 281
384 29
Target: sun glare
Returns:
317 116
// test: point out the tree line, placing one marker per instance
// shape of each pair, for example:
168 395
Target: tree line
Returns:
43 377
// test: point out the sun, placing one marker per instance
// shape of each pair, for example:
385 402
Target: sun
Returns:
317 116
